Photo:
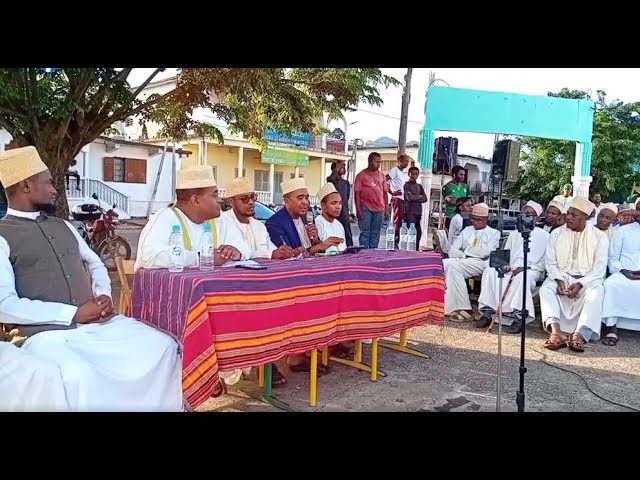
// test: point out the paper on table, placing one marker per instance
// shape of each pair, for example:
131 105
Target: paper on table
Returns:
233 263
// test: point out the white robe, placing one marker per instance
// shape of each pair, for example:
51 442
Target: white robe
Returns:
455 227
28 383
119 365
328 229
562 200
490 294
254 234
154 250
621 307
153 246
571 254
468 257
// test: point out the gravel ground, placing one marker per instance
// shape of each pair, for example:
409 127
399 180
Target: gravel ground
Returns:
461 374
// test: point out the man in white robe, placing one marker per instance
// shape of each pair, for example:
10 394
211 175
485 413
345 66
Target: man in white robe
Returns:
28 383
253 232
468 257
566 198
571 296
55 294
553 217
327 223
622 288
511 295
605 217
197 204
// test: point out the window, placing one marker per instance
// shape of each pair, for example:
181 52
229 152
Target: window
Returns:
244 172
485 177
261 180
125 170
129 122
293 175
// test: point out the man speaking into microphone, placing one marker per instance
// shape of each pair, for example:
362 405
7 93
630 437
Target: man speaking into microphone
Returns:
293 225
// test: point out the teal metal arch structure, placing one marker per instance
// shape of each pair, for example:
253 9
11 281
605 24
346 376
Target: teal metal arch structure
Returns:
480 111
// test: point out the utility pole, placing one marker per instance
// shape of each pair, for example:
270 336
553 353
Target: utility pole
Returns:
404 113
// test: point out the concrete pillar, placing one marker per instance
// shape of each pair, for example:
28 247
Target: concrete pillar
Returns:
297 172
581 169
272 177
240 161
425 161
323 175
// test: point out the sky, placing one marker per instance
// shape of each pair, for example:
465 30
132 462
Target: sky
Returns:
370 122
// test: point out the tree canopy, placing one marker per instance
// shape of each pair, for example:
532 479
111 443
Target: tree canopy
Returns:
60 112
548 164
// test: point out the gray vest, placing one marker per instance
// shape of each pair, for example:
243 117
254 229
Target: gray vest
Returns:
46 263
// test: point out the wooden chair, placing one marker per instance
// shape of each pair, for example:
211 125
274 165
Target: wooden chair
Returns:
125 269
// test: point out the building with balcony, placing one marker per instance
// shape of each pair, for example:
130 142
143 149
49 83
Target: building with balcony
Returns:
300 155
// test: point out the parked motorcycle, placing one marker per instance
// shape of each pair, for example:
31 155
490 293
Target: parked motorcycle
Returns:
98 228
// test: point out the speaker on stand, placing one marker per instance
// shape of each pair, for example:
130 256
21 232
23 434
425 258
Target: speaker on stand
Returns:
445 157
504 169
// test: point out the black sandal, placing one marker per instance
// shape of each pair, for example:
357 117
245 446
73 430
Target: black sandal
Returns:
610 339
305 367
277 379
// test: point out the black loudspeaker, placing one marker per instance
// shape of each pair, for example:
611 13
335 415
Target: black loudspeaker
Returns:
445 155
505 161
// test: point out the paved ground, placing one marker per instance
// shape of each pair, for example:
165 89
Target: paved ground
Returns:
461 375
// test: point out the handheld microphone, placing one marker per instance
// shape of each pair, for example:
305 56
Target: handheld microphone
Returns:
310 218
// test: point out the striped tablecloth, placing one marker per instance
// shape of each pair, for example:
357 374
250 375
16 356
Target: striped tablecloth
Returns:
233 318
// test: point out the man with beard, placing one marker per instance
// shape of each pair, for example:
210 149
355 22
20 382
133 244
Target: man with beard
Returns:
553 217
63 316
338 170
197 204
254 233
571 297
605 217
328 227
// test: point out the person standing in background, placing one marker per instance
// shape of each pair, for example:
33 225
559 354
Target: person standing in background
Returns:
371 202
452 191
397 179
414 197
338 171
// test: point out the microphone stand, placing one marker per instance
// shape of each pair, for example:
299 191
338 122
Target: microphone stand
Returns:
525 315
499 385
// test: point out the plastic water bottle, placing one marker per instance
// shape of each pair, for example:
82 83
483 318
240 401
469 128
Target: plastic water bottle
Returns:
404 236
390 237
176 263
412 237
206 249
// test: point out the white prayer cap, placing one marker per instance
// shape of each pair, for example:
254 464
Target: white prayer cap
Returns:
582 204
625 207
480 210
292 185
556 205
198 176
325 190
609 206
238 186
19 164
636 202
536 206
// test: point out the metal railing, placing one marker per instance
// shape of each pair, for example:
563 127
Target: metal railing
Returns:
106 193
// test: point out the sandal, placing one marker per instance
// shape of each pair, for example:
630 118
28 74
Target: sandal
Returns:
277 379
219 389
305 367
576 343
460 317
555 342
610 339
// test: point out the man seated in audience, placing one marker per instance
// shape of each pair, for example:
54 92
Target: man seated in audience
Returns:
197 203
288 227
565 199
606 216
625 215
253 232
553 217
28 383
490 295
468 257
571 296
327 223
55 293
622 288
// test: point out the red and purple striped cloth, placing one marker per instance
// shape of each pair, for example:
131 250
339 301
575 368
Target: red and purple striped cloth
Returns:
232 318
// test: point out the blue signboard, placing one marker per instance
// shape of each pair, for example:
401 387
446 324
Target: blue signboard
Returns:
297 138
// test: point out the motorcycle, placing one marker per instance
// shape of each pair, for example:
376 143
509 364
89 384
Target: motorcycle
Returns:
97 227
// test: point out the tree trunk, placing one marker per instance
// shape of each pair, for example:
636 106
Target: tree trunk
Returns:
57 166
404 113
